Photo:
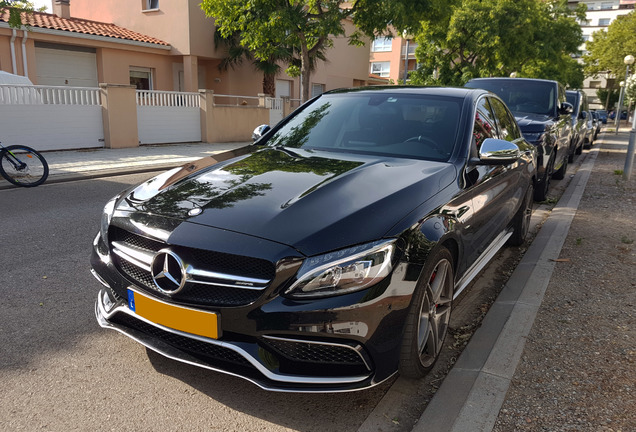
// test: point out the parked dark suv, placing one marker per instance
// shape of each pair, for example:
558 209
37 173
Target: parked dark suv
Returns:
544 116
580 129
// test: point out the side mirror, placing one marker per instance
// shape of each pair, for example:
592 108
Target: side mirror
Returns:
566 108
583 115
259 132
498 152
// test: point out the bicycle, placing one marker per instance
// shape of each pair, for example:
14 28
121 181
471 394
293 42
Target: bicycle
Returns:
23 166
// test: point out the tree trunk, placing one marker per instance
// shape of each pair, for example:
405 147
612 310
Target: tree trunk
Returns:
305 72
269 85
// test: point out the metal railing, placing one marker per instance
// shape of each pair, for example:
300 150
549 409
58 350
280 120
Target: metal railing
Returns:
159 98
233 100
49 95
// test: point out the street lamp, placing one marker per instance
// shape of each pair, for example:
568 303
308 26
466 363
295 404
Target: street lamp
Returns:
628 60
513 75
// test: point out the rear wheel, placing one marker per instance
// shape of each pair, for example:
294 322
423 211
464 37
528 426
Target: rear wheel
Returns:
23 166
521 221
429 315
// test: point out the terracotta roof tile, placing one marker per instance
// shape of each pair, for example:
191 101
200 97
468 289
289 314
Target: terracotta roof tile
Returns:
78 25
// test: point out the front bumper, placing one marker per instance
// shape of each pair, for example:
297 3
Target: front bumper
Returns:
346 343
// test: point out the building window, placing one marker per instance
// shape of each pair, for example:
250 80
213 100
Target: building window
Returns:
381 69
607 5
141 78
317 89
382 44
595 84
150 4
604 22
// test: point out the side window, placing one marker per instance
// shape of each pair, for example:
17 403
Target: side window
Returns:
508 129
485 125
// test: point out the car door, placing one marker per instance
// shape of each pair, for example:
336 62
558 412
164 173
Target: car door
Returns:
493 187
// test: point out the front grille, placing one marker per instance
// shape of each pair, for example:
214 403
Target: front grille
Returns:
195 293
186 344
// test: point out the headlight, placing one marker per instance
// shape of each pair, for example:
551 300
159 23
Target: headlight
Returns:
344 271
107 214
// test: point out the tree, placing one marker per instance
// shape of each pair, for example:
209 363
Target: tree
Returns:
16 8
602 95
236 54
607 49
479 38
307 26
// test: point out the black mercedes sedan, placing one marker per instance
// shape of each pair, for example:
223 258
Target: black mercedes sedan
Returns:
326 256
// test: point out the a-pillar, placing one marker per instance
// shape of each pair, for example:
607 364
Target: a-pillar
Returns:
119 112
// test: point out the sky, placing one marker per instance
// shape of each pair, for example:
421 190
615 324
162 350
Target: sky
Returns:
47 3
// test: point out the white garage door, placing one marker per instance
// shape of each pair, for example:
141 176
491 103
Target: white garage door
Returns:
59 65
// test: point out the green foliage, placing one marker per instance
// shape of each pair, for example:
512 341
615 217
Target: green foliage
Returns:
479 38
16 7
266 25
613 97
607 49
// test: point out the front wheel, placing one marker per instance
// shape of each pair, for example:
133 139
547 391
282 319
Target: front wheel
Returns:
560 173
23 166
541 191
429 316
521 221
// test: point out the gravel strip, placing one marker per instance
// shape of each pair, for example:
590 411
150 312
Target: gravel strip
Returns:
578 368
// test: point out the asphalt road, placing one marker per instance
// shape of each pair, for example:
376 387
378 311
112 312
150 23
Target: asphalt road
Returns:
59 371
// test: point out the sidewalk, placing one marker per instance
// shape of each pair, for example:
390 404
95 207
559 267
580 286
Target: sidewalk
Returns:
84 164
557 350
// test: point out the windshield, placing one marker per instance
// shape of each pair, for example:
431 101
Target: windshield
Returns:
525 96
399 125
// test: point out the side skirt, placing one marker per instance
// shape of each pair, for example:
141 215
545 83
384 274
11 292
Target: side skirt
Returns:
481 262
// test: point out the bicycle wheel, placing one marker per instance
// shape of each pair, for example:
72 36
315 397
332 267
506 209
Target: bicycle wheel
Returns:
23 166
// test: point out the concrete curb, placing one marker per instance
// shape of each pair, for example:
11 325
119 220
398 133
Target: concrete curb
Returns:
474 391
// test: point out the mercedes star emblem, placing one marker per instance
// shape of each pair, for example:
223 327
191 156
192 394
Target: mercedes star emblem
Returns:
168 272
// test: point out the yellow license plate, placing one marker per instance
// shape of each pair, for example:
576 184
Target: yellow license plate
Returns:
180 318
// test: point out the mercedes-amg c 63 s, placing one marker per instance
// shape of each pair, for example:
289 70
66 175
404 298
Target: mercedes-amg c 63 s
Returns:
325 256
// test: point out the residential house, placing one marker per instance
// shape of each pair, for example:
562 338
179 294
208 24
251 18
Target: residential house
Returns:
153 44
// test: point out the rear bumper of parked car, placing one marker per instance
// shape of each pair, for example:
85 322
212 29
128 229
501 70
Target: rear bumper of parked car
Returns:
344 343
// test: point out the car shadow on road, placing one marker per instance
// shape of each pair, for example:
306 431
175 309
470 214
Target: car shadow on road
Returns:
297 411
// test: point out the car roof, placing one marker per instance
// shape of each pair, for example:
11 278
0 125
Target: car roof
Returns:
512 79
459 92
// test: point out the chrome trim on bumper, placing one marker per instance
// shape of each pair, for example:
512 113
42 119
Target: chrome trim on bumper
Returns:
103 315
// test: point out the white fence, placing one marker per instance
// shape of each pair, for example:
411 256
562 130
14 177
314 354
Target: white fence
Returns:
28 95
168 117
51 118
275 107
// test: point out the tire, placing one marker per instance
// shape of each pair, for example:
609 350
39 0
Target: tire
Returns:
429 316
521 221
27 168
541 192
579 149
560 173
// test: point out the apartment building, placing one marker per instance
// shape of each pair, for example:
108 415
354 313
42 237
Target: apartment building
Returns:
392 58
153 44
600 14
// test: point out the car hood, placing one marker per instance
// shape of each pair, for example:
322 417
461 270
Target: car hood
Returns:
533 122
311 201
